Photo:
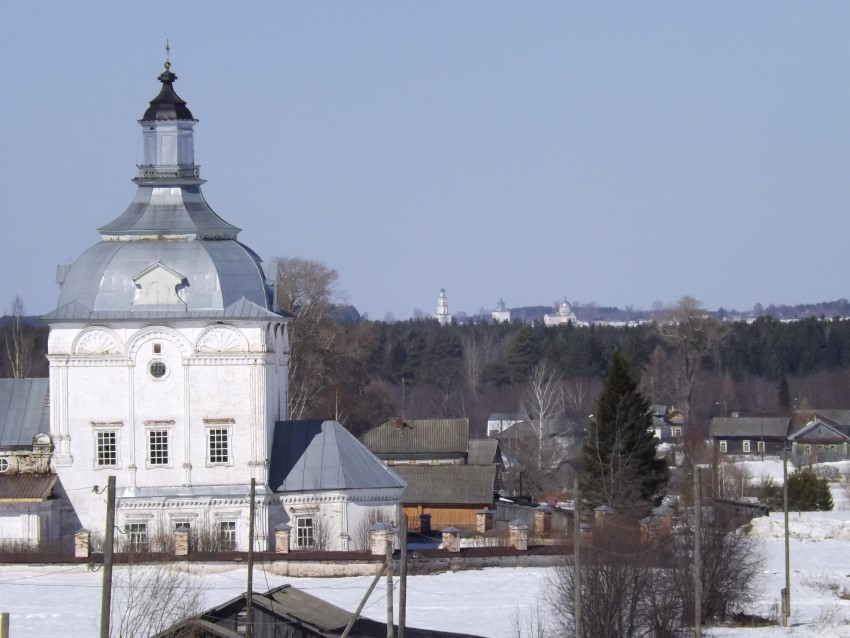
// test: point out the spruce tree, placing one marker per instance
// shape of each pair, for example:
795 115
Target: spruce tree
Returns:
784 394
619 465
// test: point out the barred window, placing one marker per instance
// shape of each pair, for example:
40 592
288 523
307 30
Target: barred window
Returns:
157 369
304 532
137 534
107 449
218 445
158 447
227 535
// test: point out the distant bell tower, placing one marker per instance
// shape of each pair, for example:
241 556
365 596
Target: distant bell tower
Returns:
443 315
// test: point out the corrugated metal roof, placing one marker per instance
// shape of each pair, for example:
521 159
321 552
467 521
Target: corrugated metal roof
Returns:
750 426
285 609
448 484
482 451
24 410
418 436
323 455
308 608
26 487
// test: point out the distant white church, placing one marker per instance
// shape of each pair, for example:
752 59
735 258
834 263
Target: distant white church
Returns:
168 369
442 315
564 315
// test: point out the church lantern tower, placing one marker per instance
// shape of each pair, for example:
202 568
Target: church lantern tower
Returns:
168 356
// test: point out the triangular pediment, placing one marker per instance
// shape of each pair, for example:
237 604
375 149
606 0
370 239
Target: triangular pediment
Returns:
819 430
158 286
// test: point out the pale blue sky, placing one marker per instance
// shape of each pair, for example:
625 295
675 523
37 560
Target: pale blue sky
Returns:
618 153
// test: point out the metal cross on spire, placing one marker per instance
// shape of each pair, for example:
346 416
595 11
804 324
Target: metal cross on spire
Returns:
167 55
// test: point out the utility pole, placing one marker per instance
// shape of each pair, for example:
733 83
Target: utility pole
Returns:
402 592
389 550
108 537
577 557
697 555
786 594
362 604
249 595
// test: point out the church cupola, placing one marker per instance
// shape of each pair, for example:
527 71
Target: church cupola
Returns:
169 148
169 251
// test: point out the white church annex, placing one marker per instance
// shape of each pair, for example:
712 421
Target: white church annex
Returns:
168 369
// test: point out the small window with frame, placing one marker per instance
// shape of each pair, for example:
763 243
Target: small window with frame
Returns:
137 537
227 536
723 446
106 448
219 441
218 446
158 448
304 532
157 369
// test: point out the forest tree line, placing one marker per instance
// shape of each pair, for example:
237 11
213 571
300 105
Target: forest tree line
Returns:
362 372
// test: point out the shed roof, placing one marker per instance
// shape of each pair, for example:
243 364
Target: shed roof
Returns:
24 410
773 427
293 607
448 484
483 451
418 436
26 487
323 455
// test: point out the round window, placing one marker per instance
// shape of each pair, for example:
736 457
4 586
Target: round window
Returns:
4 465
157 369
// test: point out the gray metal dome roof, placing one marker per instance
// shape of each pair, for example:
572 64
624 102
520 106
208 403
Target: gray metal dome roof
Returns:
174 212
215 274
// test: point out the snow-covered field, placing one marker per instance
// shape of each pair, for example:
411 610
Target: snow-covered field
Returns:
54 601
65 600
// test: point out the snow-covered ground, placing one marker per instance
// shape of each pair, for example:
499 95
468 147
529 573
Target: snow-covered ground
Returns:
65 600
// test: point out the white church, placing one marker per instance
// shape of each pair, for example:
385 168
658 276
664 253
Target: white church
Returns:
168 369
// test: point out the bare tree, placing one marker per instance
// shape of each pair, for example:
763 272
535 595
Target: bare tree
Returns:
362 535
19 360
615 576
323 532
147 599
635 587
307 290
694 336
531 447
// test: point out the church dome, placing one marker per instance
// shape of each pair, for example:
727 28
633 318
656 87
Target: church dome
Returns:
168 252
207 276
167 105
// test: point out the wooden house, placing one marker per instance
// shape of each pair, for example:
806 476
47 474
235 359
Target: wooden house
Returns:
747 436
449 477
820 440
